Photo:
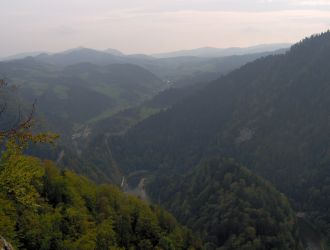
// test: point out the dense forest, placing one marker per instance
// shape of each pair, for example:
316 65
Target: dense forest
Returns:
42 207
229 207
271 115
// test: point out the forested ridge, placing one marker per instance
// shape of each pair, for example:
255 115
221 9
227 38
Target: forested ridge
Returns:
229 206
43 207
69 212
271 115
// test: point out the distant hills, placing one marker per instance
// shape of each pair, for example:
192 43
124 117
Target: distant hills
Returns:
219 52
172 68
21 55
83 93
103 83
114 52
69 96
176 71
199 52
79 55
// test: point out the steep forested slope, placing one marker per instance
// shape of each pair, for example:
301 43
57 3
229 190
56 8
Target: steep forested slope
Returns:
229 207
73 213
272 115
273 105
42 207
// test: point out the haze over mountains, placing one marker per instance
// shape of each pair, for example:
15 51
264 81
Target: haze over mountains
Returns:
105 82
218 52
233 142
165 125
199 52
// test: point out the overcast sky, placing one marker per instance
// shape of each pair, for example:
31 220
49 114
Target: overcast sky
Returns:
149 26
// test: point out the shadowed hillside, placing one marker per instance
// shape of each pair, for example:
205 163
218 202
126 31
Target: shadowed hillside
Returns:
271 114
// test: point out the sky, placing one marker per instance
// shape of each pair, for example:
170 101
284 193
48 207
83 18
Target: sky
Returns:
153 26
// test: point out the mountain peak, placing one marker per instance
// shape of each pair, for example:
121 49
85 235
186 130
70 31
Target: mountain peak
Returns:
114 52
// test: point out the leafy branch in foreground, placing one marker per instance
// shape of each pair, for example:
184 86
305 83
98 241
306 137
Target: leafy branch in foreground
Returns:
19 173
21 131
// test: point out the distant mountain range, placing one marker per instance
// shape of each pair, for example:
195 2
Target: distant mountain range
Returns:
171 69
74 94
83 91
220 52
21 55
111 80
199 52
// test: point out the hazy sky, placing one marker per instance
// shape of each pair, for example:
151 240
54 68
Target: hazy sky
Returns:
148 26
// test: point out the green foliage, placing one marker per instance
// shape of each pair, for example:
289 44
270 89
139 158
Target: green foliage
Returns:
229 207
42 207
19 178
8 219
20 175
